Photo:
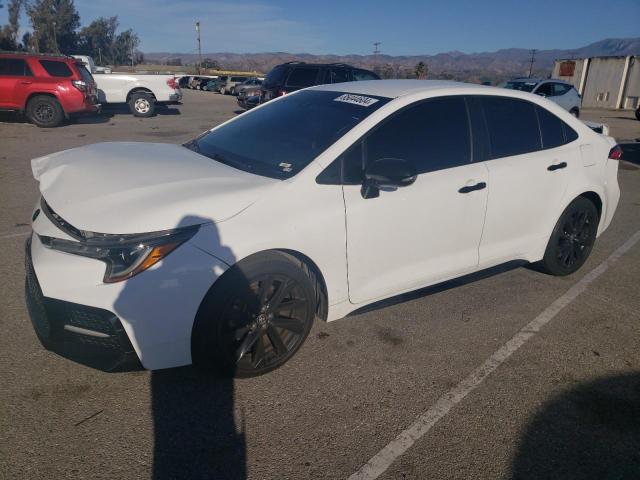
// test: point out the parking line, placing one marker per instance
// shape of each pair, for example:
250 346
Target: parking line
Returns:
382 460
13 235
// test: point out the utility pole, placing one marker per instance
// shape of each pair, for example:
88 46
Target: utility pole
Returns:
55 36
131 52
531 62
99 56
199 49
376 52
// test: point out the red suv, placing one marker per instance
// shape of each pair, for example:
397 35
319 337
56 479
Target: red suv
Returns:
47 88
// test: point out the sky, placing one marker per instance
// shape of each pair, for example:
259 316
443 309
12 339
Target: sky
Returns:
404 27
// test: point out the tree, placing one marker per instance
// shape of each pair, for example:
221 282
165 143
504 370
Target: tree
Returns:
54 24
124 46
97 39
9 32
209 63
421 70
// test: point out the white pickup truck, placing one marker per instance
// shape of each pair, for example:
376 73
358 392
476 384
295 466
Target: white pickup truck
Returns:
140 91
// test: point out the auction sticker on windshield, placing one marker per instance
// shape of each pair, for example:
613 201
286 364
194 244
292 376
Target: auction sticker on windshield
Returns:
356 99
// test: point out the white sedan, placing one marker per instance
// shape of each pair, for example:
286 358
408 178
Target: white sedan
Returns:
222 252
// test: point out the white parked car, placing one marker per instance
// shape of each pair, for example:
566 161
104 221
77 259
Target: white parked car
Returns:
558 91
223 251
141 92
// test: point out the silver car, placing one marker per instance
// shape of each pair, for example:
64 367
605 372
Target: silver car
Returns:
228 86
562 93
250 84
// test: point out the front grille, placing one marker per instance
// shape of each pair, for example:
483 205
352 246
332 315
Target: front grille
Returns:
111 350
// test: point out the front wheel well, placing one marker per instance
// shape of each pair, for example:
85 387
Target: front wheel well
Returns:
139 90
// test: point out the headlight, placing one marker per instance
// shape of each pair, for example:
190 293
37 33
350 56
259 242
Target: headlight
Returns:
125 255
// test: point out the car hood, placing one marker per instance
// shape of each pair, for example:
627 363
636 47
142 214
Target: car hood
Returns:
129 187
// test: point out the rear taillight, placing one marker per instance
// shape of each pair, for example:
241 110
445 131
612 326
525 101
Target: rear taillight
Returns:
172 83
615 153
281 93
80 85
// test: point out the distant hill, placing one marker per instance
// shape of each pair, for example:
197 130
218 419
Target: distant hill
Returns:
483 66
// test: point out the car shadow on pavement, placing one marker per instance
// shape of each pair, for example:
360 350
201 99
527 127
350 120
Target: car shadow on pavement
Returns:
113 109
591 431
194 419
441 287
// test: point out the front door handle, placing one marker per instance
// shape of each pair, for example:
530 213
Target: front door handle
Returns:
26 82
557 166
473 188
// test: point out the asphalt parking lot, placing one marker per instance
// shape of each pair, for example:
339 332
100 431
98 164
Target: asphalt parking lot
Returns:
510 374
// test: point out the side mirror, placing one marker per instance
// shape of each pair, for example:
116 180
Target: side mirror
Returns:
542 94
387 173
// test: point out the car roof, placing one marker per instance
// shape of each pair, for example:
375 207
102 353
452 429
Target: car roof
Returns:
397 88
40 56
539 80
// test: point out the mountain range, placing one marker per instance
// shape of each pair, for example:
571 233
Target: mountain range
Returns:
482 66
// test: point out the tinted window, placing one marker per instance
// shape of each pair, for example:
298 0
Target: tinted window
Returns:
238 79
56 69
523 86
513 126
569 133
15 67
302 77
84 73
550 128
545 89
433 135
560 88
361 75
276 75
338 75
282 137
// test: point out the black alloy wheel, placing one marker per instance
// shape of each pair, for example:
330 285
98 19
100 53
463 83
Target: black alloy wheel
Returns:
268 324
45 111
572 239
258 317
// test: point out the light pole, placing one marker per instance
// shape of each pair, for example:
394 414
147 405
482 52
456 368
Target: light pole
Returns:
199 49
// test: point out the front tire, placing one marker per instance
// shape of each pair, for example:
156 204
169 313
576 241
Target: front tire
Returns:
45 111
142 105
572 238
256 317
638 113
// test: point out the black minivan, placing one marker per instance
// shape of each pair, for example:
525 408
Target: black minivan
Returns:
292 76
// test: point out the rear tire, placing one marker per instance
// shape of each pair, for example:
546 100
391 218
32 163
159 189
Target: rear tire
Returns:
575 112
572 238
256 317
142 105
45 111
638 113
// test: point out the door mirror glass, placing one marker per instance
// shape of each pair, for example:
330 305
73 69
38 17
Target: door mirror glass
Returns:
387 173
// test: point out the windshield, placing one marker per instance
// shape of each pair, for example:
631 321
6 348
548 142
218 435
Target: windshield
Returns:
281 138
522 86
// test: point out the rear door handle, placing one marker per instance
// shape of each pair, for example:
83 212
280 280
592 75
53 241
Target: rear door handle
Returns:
557 166
473 188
